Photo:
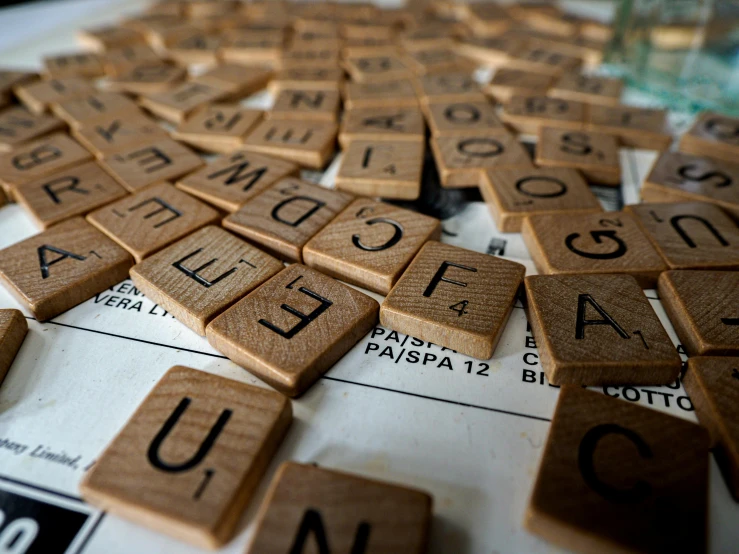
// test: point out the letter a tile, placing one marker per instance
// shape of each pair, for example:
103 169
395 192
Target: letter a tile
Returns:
598 330
340 512
191 456
616 477
454 298
62 267
199 276
292 329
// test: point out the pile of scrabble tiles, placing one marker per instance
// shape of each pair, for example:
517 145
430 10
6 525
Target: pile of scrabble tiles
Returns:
138 157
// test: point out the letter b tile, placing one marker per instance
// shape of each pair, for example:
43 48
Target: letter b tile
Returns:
190 457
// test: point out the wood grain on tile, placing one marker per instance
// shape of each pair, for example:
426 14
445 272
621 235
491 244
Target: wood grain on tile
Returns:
237 80
217 128
13 329
713 134
396 94
109 135
376 69
459 118
93 107
153 78
508 82
457 86
590 89
311 144
79 64
527 114
121 60
307 78
306 105
175 104
39 95
379 124
635 127
18 125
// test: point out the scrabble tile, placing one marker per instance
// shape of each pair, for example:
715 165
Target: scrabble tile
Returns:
544 60
391 169
11 78
306 105
61 267
370 244
108 38
18 125
122 60
461 118
233 179
713 135
310 144
427 61
217 128
307 78
376 69
459 86
615 477
81 64
250 47
590 89
581 244
526 114
174 105
112 134
713 385
201 275
237 80
190 458
13 329
152 78
292 329
70 192
198 47
39 157
306 504
598 330
151 219
314 57
677 177
282 218
702 306
513 193
508 82
595 155
455 298
380 124
140 166
690 235
396 94
462 159
490 51
37 96
93 107
635 127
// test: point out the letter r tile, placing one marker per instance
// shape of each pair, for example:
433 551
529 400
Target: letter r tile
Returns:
190 457
455 298
616 477
292 329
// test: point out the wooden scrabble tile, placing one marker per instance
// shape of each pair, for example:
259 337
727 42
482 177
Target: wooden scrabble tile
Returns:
615 477
598 330
189 459
677 177
81 64
292 329
306 105
595 155
94 107
140 166
582 244
176 104
526 114
386 168
237 80
590 89
455 298
39 157
196 47
713 385
396 94
513 193
201 275
18 125
307 78
112 134
102 39
156 78
37 96
462 159
508 82
370 244
122 60
544 60
461 118
310 144
315 57
427 61
61 267
252 47
713 134
380 124
13 329
690 235
457 86
151 219
702 306
70 192
282 218
306 503
490 51
11 78
233 179
219 128
634 127
431 34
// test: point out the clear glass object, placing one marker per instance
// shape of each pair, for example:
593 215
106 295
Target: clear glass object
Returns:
685 53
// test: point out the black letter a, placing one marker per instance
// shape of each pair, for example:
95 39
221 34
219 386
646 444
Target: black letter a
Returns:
312 523
582 299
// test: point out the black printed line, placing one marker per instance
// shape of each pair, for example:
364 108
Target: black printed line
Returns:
91 532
